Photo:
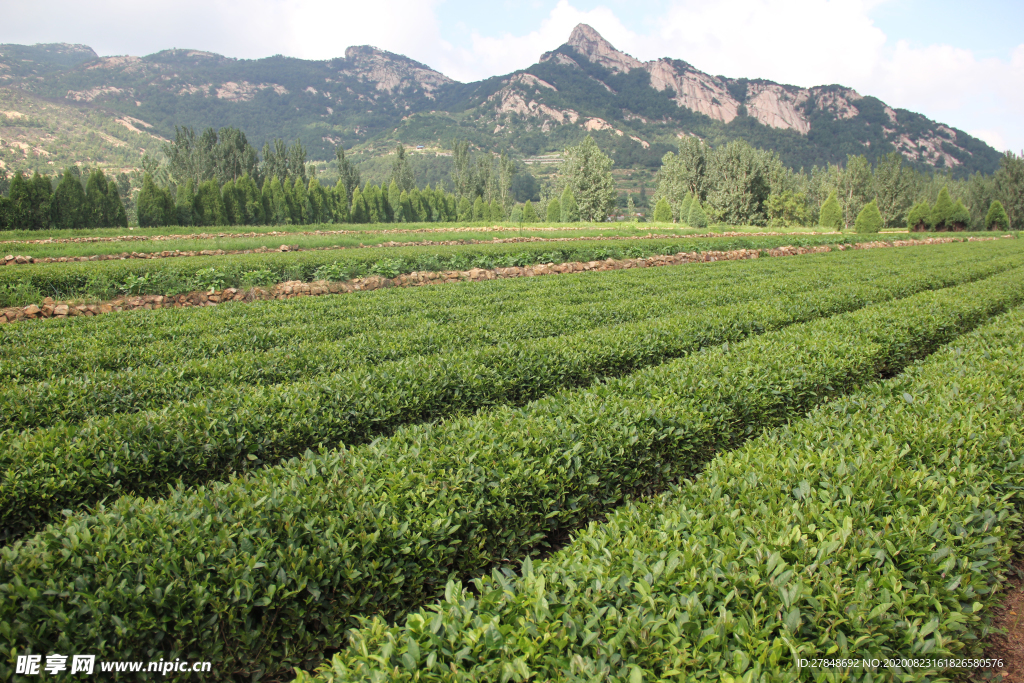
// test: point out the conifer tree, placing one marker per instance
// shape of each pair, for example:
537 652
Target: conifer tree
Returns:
254 213
117 216
395 202
630 208
869 219
465 213
996 218
497 211
183 204
5 213
208 206
554 211
918 220
359 213
318 202
942 211
339 200
570 211
662 211
149 205
684 209
407 208
94 211
478 209
697 217
232 212
959 217
20 196
68 202
529 214
300 202
40 191
831 216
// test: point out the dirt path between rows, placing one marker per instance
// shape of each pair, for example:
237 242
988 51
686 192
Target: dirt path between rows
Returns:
328 233
293 289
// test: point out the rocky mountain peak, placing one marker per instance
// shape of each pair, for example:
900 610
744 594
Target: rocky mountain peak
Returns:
391 71
592 45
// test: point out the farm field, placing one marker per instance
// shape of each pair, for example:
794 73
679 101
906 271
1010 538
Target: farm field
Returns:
280 472
23 284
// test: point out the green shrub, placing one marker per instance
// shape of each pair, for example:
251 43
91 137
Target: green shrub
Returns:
869 220
19 293
939 219
280 562
208 279
824 536
919 218
266 278
959 217
996 218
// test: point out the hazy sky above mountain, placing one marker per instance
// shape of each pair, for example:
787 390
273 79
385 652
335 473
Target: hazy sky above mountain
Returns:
956 63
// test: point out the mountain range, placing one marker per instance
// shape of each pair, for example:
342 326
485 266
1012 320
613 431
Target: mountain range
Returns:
371 98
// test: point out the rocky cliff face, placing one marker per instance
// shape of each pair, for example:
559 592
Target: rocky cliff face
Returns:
390 72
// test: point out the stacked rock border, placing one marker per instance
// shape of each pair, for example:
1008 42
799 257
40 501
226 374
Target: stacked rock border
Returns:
297 288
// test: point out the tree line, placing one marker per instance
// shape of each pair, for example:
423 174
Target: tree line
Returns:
72 202
738 184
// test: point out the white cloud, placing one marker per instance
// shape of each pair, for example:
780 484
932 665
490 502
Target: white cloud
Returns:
494 55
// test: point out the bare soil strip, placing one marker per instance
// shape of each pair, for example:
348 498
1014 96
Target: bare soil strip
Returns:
1007 643
293 289
12 259
396 231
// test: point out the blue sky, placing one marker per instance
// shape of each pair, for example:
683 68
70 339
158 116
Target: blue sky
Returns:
958 63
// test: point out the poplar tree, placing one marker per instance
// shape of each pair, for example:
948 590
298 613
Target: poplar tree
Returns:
401 172
586 172
348 175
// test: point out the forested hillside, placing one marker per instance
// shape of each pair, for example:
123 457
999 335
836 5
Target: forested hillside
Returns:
370 99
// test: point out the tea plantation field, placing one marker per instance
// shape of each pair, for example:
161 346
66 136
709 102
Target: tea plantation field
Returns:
679 473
